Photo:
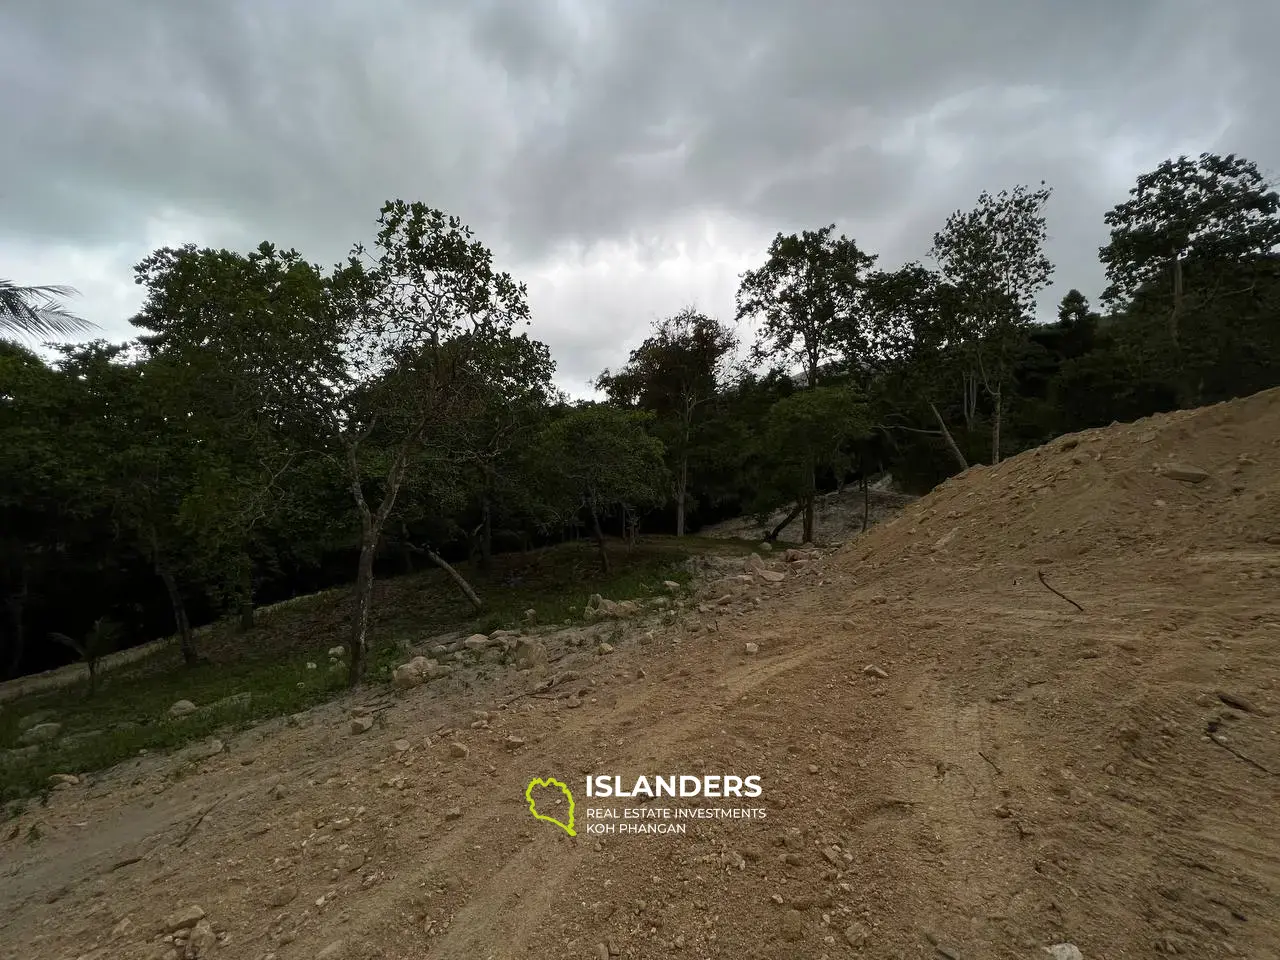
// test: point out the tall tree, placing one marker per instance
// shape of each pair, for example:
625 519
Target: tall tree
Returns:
372 363
599 458
1215 210
994 257
811 431
806 296
675 373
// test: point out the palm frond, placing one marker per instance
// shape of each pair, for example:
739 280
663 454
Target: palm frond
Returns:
37 312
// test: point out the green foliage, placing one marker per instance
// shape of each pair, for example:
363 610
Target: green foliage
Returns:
807 297
813 430
1213 209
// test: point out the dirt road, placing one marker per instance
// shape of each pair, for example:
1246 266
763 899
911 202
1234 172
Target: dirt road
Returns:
1012 773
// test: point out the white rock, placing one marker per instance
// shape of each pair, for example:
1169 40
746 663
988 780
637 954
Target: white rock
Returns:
337 651
752 648
477 641
361 724
182 708
1064 951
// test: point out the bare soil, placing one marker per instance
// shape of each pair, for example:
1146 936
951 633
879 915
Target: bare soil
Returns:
1026 772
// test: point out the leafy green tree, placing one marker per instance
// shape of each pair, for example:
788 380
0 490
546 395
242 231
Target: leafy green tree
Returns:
917 321
675 373
806 296
370 364
994 257
1213 209
600 458
811 431
38 311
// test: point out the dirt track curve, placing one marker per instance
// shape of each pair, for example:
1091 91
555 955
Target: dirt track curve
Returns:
1025 774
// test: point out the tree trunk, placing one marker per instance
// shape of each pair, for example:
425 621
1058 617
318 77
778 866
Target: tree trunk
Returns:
364 604
486 535
998 400
866 501
246 595
598 533
772 535
951 442
682 488
1177 298
92 664
186 640
457 578
809 498
17 604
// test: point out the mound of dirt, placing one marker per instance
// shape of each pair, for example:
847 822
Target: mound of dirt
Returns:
956 760
1172 484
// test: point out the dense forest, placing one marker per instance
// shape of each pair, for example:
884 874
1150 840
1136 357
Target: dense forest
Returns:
277 427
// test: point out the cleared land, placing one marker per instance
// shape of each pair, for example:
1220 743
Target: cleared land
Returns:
1016 770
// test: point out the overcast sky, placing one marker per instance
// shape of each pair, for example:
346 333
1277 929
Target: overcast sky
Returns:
624 158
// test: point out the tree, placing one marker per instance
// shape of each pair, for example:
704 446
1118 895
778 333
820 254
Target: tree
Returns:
1215 209
103 639
38 311
599 458
915 320
807 296
675 373
369 366
810 431
994 257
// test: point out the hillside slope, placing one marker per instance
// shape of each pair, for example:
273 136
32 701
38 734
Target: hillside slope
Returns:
956 761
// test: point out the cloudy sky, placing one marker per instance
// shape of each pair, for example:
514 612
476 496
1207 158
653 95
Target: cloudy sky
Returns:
624 158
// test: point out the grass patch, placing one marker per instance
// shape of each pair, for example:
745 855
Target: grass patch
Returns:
130 711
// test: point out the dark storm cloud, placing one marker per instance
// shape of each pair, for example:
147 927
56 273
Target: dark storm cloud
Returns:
548 123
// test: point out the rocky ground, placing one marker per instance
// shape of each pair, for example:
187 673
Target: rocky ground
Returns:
1032 716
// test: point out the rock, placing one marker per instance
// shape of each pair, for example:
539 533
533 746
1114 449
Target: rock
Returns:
1064 951
754 563
361 724
63 780
628 608
203 751
766 546
459 750
453 813
282 896
477 641
1237 701
202 940
1185 472
530 654
771 576
752 648
513 742
530 615
31 719
310 665
871 670
671 585
40 733
855 935
602 951
122 929
604 648
338 651
401 746
417 671
334 951
182 919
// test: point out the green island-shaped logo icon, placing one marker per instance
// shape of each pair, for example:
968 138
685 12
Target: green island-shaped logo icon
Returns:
533 806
